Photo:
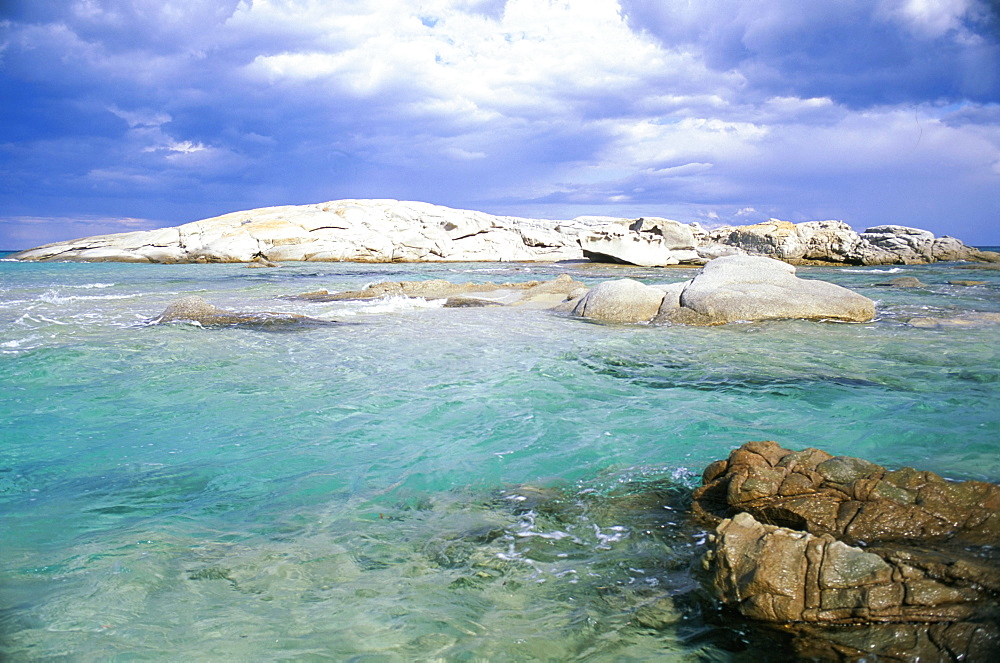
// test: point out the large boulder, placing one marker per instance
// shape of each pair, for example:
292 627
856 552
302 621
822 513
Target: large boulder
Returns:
779 574
727 289
803 536
826 241
646 242
623 300
749 288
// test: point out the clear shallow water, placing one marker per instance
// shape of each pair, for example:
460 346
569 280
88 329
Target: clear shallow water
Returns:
460 484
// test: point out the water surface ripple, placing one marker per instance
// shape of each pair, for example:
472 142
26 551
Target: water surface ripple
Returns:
427 483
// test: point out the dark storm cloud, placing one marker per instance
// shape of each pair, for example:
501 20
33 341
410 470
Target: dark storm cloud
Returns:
164 112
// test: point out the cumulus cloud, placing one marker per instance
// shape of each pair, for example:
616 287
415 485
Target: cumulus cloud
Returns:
870 111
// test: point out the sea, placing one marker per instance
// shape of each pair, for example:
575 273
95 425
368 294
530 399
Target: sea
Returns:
422 483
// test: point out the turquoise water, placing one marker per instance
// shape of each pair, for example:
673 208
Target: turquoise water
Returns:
423 483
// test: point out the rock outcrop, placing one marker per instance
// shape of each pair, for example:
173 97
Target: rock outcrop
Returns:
645 242
727 289
391 230
803 536
661 242
195 309
343 230
835 242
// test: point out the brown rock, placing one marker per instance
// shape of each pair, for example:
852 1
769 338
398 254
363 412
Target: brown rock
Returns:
848 498
196 309
778 574
803 536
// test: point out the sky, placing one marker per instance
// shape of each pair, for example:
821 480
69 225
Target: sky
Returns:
120 115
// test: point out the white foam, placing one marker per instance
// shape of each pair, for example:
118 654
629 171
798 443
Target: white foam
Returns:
892 270
390 304
89 286
54 297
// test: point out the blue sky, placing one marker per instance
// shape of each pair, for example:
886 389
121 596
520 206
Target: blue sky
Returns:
130 114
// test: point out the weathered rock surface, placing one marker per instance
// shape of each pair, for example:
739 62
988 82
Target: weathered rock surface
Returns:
623 300
349 230
651 242
804 536
727 289
943 641
734 288
196 309
835 242
536 294
391 230
660 242
849 498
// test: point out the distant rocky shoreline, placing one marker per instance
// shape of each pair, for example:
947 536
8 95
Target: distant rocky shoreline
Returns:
400 231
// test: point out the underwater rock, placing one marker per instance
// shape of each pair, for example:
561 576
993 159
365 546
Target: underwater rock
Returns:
803 536
540 294
902 282
196 309
971 319
959 641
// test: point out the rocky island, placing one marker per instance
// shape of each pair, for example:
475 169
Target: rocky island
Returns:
401 231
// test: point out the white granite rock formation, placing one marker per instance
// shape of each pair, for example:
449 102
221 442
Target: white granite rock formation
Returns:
398 231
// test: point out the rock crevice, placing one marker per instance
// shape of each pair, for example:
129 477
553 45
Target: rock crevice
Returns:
803 536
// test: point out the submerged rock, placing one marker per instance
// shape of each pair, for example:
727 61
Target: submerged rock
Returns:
537 294
803 536
727 289
196 309
902 282
971 319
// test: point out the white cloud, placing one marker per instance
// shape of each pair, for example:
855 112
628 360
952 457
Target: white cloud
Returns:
145 117
540 57
782 108
927 18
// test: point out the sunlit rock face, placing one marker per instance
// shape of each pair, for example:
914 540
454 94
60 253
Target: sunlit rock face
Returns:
400 231
803 536
737 288
348 230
